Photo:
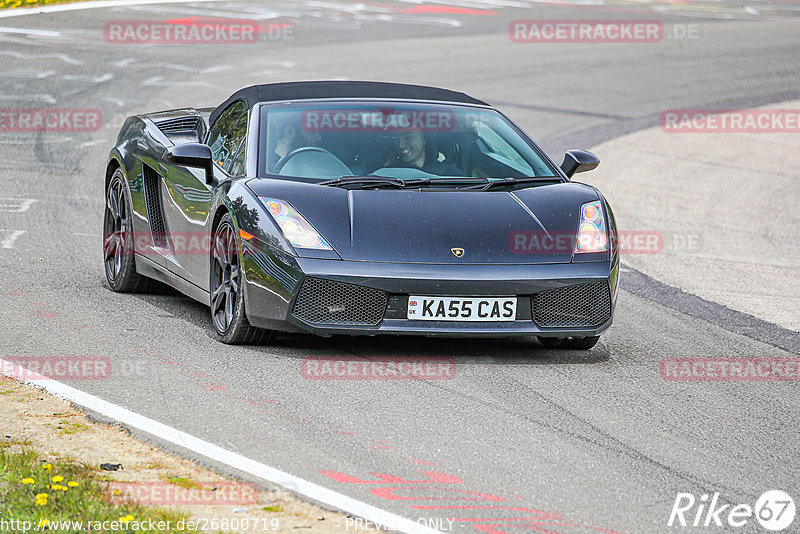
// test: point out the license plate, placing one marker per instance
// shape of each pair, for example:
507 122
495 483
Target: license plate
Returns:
462 308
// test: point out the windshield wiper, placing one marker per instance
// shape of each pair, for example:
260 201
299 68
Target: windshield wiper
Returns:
373 180
509 182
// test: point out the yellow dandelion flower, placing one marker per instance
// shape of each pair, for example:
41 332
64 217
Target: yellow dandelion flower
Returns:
64 488
27 481
43 522
126 519
115 492
57 478
72 484
47 467
56 487
41 499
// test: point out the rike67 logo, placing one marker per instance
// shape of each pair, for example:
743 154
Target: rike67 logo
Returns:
774 511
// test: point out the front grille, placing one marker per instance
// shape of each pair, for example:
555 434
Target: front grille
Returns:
337 303
152 199
583 305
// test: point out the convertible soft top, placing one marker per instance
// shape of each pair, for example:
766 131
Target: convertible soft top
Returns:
273 92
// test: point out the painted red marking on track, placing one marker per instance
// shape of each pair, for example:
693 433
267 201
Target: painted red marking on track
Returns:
449 10
214 387
422 462
534 520
540 514
346 433
433 478
493 527
389 493
490 529
198 375
44 315
248 402
166 363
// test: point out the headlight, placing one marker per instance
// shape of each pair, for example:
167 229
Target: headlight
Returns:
592 236
295 228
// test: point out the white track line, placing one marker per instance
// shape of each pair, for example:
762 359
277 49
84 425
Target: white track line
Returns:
16 205
29 31
387 520
8 242
21 12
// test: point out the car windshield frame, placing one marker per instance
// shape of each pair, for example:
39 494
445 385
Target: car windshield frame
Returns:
263 150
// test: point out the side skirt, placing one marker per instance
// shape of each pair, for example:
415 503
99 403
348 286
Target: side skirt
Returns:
147 268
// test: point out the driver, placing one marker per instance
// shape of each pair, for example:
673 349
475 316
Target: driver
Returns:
292 137
412 150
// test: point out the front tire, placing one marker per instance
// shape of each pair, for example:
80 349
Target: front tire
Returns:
227 290
551 342
573 343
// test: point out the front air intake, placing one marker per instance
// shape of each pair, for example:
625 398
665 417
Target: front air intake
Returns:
326 302
578 306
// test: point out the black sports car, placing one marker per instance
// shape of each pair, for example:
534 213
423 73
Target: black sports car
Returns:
360 208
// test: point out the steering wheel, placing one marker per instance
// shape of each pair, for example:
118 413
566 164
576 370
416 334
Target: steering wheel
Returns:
303 149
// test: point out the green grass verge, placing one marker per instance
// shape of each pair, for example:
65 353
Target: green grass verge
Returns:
13 4
45 493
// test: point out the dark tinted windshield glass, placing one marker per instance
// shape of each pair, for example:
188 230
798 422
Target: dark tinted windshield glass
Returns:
325 141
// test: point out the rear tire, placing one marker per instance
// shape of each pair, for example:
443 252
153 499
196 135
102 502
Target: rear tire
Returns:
118 243
227 290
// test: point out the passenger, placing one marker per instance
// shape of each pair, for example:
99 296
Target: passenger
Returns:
414 151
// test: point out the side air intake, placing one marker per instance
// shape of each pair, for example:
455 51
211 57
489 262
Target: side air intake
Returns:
152 200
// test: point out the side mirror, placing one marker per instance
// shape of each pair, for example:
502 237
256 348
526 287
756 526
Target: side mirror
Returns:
576 161
192 155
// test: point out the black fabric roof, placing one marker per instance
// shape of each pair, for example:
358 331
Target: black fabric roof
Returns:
339 89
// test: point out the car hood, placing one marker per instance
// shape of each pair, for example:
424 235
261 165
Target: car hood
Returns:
412 226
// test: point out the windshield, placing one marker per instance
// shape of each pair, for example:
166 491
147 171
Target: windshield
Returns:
324 141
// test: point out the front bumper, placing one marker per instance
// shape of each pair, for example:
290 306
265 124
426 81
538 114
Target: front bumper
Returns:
273 284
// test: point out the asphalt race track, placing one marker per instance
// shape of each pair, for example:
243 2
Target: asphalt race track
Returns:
519 433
